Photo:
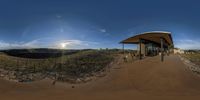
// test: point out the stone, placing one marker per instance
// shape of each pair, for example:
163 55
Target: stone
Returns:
78 80
2 75
87 79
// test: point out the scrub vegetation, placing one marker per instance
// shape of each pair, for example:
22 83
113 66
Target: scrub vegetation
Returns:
193 56
59 65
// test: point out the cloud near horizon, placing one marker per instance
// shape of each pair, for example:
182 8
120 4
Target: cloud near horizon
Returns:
75 44
187 44
44 43
80 44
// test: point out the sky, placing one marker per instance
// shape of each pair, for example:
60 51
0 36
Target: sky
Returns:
81 24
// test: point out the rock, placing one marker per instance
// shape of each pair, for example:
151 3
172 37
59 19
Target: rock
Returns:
87 79
31 77
101 74
12 75
78 80
2 75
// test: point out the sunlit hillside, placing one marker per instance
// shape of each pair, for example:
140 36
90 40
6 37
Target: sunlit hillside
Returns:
67 65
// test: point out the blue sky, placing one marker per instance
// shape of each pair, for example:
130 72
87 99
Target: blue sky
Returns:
78 24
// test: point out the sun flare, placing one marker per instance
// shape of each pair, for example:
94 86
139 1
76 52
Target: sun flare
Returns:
62 45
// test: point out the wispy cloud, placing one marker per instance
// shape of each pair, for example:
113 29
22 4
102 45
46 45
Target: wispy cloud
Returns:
18 45
75 44
187 44
48 43
5 45
103 30
58 16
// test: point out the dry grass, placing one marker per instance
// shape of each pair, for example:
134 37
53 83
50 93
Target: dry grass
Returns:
81 64
194 57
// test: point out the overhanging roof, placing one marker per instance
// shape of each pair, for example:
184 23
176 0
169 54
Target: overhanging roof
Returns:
153 36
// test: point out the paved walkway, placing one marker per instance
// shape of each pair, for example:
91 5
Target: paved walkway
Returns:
145 79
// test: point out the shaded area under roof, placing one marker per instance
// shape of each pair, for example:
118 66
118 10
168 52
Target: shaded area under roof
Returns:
150 36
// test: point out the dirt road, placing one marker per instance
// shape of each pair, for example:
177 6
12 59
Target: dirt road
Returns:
139 80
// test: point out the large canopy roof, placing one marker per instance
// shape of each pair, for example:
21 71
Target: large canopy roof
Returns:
153 36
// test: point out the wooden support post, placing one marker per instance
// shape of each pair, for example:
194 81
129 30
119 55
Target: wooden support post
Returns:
124 57
140 44
162 55
123 48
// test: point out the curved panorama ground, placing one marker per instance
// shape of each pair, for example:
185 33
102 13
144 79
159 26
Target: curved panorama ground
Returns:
146 79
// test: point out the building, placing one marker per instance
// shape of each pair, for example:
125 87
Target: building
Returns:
178 51
151 43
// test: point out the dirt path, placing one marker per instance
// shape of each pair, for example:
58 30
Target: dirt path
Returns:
145 79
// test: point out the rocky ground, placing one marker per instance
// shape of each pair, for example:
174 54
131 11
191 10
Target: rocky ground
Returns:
194 67
30 77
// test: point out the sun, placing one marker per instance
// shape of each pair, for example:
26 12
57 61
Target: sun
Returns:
62 45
